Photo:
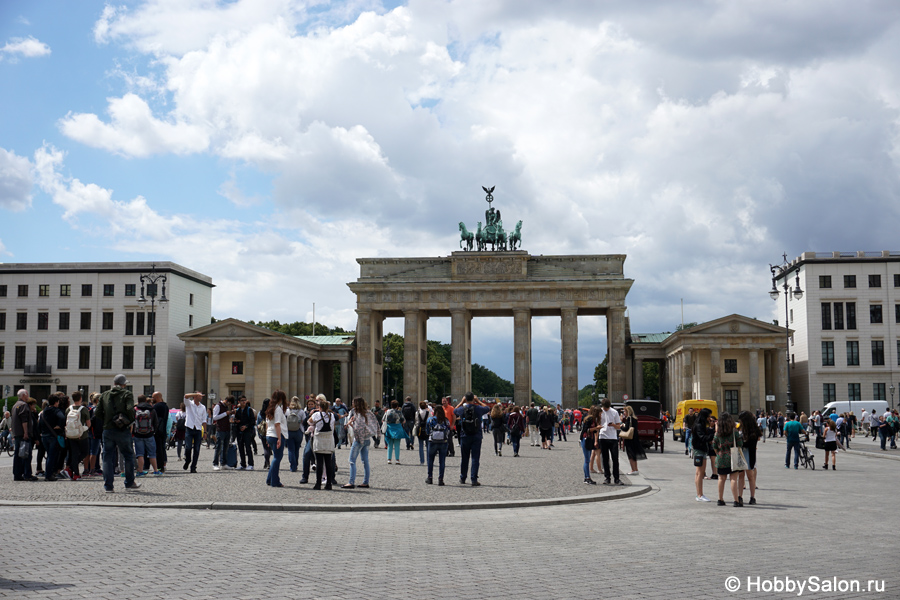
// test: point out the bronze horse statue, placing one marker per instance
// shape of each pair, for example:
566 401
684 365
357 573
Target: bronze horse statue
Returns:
465 236
515 238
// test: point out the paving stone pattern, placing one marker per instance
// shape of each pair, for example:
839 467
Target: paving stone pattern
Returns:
660 545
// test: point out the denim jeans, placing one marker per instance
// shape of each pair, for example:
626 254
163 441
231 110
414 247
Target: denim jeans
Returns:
21 466
192 440
145 447
223 438
408 427
515 439
117 442
469 446
341 433
587 460
359 449
439 450
422 445
308 457
52 447
787 455
277 452
294 445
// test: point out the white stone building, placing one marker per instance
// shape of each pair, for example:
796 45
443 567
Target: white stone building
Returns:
70 326
846 327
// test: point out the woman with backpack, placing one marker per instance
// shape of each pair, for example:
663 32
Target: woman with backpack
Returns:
322 424
589 445
295 417
701 443
546 421
364 426
751 434
831 442
180 419
727 438
276 434
438 431
261 429
515 425
419 427
498 428
392 427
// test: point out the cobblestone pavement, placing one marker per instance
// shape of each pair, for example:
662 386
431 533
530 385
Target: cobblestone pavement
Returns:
661 545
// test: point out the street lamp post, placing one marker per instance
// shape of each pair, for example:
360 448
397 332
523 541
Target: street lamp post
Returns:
150 283
387 375
781 271
892 397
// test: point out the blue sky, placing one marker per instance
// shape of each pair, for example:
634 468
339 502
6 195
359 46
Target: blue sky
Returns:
270 143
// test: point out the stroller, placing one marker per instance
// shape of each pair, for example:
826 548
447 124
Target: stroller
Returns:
806 457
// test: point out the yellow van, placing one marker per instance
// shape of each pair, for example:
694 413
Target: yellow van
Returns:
683 407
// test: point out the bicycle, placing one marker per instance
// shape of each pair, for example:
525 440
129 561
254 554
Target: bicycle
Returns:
806 457
6 443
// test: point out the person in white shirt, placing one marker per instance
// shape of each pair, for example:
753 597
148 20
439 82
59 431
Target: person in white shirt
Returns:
609 444
276 434
195 417
864 421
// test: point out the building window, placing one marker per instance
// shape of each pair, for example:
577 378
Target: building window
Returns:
23 291
896 280
829 393
851 315
732 402
731 365
129 289
44 290
129 323
107 321
2 357
877 353
875 313
838 315
897 313
43 321
2 321
65 290
849 281
85 321
109 290
826 315
237 367
791 313
105 388
106 357
148 390
827 354
62 389
2 291
62 357
190 320
127 358
20 357
63 321
149 357
151 323
874 281
852 353
853 392
84 357
878 392
21 321
191 300
140 323
824 281
87 289
41 361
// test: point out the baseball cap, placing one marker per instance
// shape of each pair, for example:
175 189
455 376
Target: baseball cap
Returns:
120 380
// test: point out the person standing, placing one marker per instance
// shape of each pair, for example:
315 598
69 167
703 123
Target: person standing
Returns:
515 425
589 442
761 424
78 433
726 439
51 424
469 412
341 411
451 418
116 411
23 432
634 449
750 434
394 430
438 429
378 412
276 435
195 418
162 432
144 434
533 415
246 431
221 418
701 445
831 444
420 429
610 423
409 417
323 422
498 427
364 425
295 416
687 426
792 431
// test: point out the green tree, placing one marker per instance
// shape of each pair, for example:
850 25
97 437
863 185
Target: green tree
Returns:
601 377
301 328
686 325
651 379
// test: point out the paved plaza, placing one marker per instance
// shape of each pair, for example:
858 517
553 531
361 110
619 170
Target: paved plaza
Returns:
662 544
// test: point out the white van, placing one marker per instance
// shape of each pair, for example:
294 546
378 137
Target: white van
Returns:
879 406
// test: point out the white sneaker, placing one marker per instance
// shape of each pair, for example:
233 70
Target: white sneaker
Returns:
389 462
250 468
703 499
632 473
216 468
241 468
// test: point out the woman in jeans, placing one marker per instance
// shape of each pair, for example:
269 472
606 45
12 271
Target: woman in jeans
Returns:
393 430
438 431
589 445
751 434
419 427
498 428
515 425
295 417
276 434
323 421
364 425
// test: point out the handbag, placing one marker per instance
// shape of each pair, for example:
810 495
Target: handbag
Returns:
25 450
738 460
628 434
323 440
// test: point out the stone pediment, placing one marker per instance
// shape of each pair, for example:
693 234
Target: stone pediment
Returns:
231 328
733 325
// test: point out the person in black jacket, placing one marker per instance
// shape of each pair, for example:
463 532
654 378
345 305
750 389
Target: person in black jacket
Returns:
701 442
51 425
245 424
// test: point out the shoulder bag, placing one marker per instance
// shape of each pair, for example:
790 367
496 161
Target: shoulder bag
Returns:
323 440
738 460
629 434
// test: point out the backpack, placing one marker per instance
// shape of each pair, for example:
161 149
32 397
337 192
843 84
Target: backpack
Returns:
440 433
293 421
180 422
515 424
469 420
143 423
96 425
409 411
421 433
74 428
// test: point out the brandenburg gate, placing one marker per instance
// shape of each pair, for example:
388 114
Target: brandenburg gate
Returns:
470 284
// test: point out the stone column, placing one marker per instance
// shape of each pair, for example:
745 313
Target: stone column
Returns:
201 375
315 379
307 376
292 386
188 373
715 374
754 381
638 378
615 325
275 378
250 376
687 371
285 374
569 336
368 352
214 373
414 355
345 381
459 352
522 346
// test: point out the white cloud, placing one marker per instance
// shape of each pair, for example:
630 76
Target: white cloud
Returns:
15 181
28 47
